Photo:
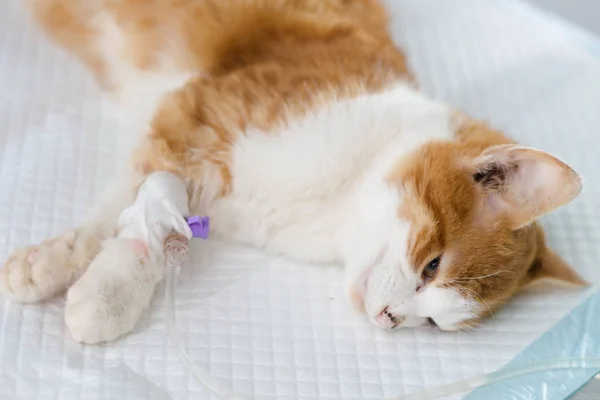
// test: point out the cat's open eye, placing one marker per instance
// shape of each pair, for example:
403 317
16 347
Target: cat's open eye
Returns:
431 269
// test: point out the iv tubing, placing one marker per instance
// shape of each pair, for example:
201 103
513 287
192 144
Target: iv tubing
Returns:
176 249
499 376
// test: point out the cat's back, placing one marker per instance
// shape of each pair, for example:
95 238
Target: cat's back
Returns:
216 37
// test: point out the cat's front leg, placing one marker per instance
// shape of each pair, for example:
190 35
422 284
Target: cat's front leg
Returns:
109 299
41 271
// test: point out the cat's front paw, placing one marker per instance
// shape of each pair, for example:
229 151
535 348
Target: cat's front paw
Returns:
93 316
108 300
37 272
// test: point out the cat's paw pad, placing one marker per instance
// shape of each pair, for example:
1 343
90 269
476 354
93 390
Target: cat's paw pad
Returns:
37 272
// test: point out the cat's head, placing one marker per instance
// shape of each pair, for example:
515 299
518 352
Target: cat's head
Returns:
456 235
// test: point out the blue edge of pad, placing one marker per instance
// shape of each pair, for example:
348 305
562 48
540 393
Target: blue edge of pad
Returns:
575 336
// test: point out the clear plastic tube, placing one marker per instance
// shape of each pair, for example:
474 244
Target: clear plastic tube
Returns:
176 249
499 376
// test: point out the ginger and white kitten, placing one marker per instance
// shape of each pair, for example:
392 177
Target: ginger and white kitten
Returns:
296 127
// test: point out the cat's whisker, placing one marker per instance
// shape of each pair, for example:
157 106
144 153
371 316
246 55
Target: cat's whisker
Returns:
480 277
479 298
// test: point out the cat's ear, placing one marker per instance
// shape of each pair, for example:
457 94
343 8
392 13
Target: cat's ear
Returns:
522 184
549 266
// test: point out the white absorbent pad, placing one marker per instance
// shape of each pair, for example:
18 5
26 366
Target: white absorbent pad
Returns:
270 328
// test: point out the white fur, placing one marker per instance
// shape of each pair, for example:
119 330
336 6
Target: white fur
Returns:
139 92
445 306
110 297
297 190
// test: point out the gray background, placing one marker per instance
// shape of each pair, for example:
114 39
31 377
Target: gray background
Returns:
585 13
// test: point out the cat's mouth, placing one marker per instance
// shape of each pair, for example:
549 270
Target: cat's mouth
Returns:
431 323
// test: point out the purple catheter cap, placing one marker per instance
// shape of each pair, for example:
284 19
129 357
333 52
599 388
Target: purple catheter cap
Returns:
199 226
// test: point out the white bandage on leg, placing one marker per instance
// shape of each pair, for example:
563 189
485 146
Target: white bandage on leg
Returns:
160 208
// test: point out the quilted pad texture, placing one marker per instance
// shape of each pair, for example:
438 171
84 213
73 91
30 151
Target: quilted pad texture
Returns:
266 327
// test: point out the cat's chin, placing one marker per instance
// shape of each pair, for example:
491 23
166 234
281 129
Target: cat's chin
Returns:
357 290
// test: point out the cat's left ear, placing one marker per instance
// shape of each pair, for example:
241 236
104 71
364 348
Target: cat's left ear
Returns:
549 266
521 184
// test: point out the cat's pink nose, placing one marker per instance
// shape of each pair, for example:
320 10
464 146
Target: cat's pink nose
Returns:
387 320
